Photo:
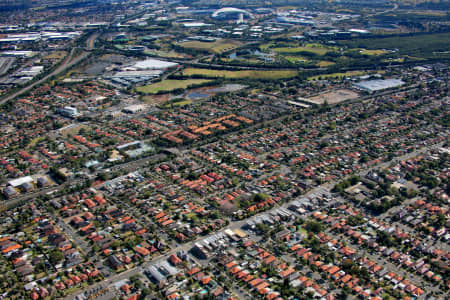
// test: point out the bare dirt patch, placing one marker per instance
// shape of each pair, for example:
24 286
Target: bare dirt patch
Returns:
333 97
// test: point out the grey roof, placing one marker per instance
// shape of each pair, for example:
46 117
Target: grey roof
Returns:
155 274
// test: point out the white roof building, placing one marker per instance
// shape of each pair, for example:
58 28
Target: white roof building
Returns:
378 84
19 181
154 64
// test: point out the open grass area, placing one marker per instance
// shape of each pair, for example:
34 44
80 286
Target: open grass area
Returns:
315 50
72 130
252 74
324 63
35 141
169 85
179 103
397 60
296 58
218 46
337 75
373 52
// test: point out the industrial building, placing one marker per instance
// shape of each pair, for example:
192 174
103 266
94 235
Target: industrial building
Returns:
135 108
153 64
135 148
69 111
141 71
378 84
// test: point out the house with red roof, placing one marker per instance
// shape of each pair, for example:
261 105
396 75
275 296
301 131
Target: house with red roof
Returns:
175 260
142 251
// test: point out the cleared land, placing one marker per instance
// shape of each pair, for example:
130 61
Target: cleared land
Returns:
253 74
169 85
332 97
218 46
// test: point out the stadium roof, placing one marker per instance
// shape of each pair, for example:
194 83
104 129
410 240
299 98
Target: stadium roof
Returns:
226 10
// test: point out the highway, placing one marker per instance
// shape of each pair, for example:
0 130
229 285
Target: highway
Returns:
68 62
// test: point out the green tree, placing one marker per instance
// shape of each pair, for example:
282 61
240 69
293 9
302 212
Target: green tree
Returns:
314 226
55 256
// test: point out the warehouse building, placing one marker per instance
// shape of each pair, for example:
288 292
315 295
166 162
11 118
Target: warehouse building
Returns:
378 84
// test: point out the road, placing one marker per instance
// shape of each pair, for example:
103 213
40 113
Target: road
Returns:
386 11
69 62
5 64
90 43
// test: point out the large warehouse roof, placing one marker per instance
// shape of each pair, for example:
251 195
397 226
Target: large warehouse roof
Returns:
379 84
153 64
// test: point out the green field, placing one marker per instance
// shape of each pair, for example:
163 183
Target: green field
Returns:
373 52
324 63
289 50
315 48
337 75
295 59
169 85
253 74
179 103
219 46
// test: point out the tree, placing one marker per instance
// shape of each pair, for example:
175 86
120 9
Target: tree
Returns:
260 197
145 292
314 226
40 267
385 238
55 256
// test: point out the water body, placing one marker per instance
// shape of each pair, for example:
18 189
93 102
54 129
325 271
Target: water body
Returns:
197 95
